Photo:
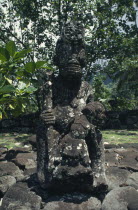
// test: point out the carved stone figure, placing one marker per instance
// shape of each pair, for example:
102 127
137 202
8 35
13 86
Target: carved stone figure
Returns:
70 145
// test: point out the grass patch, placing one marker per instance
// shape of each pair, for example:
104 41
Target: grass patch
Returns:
120 136
11 140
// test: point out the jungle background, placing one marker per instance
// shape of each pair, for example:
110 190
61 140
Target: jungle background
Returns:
28 35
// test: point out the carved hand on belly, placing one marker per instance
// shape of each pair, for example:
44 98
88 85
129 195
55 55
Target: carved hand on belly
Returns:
48 117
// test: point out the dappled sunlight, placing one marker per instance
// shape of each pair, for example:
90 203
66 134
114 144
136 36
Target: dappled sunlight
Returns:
11 140
120 136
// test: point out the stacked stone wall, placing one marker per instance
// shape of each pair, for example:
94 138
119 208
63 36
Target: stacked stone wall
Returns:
121 119
26 123
114 120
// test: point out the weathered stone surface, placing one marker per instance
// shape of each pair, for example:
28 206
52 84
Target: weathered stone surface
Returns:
122 146
5 183
129 159
127 119
3 151
32 141
16 206
2 157
9 123
121 198
129 145
12 153
25 160
24 149
124 158
28 172
72 202
111 157
112 120
20 197
70 146
95 113
10 168
0 203
110 146
133 180
132 121
116 177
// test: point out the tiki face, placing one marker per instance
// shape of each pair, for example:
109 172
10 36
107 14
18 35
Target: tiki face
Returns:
70 52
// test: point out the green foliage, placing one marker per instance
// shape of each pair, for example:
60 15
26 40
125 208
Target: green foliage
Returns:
124 76
120 136
4 55
18 82
102 92
13 140
109 37
105 23
11 48
115 96
127 76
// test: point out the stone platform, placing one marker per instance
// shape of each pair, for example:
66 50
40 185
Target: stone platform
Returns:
20 190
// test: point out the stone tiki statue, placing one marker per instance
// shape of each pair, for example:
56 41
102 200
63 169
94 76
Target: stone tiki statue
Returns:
70 145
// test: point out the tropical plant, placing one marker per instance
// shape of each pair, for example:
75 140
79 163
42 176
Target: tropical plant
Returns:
18 81
111 31
127 76
102 92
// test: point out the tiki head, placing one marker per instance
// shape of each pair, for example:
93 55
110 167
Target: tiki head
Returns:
70 50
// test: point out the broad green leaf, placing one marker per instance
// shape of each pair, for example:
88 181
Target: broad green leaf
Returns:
2 82
17 111
30 67
35 82
47 67
20 74
11 106
0 115
7 89
3 112
4 54
21 54
9 80
19 78
23 107
3 100
26 81
6 95
39 64
30 89
11 47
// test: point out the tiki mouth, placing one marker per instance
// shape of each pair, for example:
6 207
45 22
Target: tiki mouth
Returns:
73 68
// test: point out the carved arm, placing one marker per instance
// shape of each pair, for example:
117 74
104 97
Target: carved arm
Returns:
94 111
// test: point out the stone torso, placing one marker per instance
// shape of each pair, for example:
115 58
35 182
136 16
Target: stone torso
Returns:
70 146
69 103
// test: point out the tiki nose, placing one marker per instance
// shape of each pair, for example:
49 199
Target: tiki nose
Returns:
73 60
